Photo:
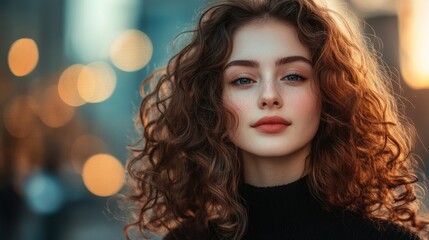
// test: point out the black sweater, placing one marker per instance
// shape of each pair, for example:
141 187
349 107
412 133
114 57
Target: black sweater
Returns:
291 212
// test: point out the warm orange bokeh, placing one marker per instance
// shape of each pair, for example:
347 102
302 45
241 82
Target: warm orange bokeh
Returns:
20 117
103 175
97 82
23 56
68 86
52 110
414 42
131 50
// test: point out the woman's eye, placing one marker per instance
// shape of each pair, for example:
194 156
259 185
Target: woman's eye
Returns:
242 81
293 78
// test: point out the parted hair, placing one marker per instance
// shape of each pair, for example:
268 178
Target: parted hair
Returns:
186 174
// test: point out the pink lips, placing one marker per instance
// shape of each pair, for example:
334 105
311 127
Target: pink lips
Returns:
272 124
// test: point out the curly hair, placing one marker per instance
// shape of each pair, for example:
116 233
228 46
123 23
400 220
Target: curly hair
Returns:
187 173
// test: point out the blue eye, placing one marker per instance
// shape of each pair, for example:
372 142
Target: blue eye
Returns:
294 78
242 81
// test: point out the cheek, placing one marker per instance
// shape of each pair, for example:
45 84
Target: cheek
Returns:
306 106
233 103
310 110
238 108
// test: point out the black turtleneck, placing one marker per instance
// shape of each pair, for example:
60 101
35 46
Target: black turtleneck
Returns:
291 212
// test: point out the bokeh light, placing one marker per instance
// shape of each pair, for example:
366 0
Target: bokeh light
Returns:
43 193
19 116
96 82
131 50
52 110
68 86
23 56
414 39
91 25
83 148
375 6
103 175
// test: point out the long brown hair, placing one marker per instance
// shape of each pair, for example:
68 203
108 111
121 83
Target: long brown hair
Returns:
185 171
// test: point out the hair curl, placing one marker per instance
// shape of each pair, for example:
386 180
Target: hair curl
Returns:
186 171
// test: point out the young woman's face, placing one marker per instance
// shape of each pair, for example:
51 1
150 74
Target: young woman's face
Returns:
269 85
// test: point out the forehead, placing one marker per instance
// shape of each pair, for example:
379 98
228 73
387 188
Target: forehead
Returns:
267 38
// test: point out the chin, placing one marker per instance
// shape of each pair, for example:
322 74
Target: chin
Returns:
271 153
277 151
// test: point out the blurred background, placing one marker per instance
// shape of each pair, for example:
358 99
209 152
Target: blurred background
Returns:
70 72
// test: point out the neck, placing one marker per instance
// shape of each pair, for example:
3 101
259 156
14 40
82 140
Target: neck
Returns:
274 170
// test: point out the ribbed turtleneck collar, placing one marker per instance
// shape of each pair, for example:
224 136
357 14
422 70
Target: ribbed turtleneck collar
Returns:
288 193
290 201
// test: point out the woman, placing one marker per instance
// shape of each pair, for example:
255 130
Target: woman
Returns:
274 122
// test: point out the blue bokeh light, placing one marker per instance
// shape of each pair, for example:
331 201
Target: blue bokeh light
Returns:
43 193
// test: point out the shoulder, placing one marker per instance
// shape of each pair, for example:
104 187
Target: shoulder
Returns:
376 229
388 230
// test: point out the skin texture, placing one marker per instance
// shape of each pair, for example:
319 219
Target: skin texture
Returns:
257 85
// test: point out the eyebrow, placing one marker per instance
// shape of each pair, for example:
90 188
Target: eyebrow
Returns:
255 64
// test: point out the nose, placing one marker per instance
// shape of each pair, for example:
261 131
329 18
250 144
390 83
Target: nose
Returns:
270 96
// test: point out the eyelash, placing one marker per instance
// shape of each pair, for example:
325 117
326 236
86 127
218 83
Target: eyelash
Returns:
237 80
295 75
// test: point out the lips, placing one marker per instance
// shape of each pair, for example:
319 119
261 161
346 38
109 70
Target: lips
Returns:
272 124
